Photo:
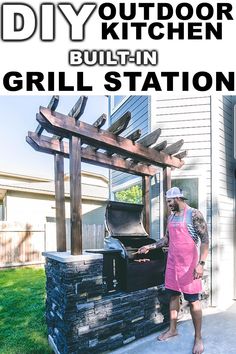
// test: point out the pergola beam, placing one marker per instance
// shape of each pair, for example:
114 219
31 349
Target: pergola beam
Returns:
59 124
54 146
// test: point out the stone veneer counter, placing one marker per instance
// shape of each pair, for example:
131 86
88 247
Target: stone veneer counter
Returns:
83 317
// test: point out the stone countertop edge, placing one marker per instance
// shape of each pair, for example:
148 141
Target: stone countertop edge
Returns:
66 257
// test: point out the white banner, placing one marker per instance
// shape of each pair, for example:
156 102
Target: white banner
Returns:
117 47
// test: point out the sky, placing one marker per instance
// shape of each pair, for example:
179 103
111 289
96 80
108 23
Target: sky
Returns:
18 116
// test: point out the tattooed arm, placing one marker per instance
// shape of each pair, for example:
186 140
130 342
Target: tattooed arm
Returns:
164 241
200 227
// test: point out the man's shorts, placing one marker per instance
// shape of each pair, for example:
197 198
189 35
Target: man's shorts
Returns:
187 297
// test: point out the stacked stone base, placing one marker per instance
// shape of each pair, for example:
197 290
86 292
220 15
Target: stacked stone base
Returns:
83 317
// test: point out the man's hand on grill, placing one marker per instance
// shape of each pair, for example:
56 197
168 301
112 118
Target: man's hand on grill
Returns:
143 249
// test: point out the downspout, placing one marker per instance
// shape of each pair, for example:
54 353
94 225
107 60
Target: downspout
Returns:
214 242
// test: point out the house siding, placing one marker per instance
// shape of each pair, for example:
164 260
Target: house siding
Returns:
188 119
37 208
206 124
139 108
179 118
224 252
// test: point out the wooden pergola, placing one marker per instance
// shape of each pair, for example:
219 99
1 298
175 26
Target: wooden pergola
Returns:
83 142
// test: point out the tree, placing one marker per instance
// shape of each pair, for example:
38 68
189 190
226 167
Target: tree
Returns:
130 195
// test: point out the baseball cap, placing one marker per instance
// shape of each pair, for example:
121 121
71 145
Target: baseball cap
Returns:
175 192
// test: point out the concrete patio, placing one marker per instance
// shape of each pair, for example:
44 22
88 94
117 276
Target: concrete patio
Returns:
219 335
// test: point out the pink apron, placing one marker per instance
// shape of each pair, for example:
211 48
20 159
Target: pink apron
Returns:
182 259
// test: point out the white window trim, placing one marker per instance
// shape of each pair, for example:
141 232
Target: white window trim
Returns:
114 109
187 174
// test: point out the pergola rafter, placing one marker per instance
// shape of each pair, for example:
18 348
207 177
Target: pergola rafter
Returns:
89 143
54 146
65 126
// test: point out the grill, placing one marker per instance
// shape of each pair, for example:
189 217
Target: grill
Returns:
123 268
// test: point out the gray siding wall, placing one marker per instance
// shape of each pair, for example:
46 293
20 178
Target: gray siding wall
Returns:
139 108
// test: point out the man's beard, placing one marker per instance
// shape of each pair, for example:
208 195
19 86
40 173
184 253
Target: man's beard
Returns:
175 207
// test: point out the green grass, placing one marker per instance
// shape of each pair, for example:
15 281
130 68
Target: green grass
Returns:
22 308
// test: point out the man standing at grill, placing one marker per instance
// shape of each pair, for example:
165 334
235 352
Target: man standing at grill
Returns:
187 238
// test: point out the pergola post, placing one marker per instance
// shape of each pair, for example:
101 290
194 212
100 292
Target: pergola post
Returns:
146 202
166 186
60 202
75 196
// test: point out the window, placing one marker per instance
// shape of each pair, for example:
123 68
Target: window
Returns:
116 102
194 186
190 186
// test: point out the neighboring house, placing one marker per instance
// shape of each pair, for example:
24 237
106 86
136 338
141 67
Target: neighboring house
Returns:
207 125
32 199
27 210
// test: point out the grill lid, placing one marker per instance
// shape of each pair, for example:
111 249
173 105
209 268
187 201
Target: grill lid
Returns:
124 219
